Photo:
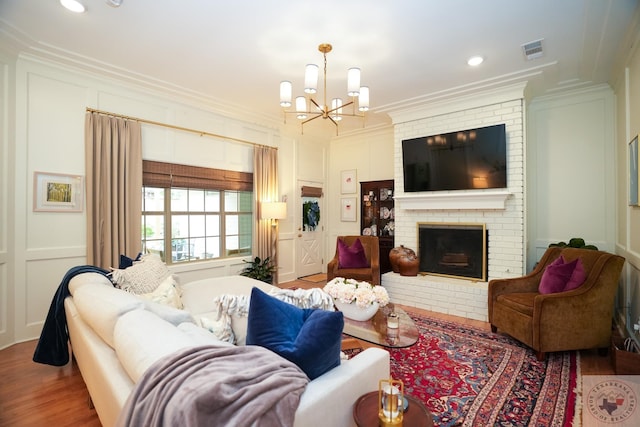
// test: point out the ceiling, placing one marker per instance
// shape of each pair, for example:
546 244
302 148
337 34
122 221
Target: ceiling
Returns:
235 53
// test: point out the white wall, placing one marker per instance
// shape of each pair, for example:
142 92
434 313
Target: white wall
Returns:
570 169
50 105
6 202
627 91
370 153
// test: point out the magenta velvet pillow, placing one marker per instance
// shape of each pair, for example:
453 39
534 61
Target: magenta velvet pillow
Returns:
577 277
556 276
351 256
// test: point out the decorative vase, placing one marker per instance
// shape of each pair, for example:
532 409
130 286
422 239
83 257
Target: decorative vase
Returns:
409 265
395 254
355 312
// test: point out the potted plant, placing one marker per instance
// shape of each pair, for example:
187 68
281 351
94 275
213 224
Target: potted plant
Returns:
575 242
260 269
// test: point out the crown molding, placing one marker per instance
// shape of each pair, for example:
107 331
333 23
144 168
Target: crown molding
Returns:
466 101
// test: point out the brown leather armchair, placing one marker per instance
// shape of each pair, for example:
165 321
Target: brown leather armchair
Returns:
572 320
370 274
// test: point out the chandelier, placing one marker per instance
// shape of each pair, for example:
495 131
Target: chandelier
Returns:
303 104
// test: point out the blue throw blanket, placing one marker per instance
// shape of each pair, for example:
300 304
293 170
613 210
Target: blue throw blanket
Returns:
52 348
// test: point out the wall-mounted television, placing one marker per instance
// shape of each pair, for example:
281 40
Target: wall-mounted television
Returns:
461 160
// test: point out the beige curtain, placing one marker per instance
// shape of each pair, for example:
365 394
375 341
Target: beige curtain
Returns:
113 157
265 184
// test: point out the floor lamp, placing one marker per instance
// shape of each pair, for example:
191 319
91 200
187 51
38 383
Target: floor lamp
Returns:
274 211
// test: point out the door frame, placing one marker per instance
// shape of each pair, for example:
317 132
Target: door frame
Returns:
298 224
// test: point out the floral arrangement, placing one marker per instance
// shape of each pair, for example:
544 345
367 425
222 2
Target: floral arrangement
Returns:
351 291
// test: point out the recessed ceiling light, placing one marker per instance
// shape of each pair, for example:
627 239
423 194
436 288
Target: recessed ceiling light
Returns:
474 61
73 5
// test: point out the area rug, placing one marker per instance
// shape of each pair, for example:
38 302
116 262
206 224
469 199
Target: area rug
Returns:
471 377
315 278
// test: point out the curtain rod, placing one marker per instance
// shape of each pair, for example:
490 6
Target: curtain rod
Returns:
199 132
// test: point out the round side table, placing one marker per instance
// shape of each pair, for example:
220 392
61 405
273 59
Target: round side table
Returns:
365 412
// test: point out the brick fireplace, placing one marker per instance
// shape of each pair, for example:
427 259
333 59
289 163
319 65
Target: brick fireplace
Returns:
501 211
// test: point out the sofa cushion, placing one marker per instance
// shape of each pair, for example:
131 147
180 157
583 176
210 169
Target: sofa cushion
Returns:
100 307
520 302
351 256
141 338
172 315
309 338
201 336
556 275
577 277
143 276
197 296
86 278
168 293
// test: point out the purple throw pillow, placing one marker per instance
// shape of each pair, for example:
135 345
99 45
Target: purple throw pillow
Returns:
577 277
351 256
556 276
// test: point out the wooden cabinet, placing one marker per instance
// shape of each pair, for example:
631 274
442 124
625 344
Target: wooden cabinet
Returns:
378 216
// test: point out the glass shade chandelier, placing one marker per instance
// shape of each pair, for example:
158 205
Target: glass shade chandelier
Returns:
302 106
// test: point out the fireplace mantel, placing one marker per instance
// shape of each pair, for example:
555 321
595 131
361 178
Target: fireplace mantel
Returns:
475 200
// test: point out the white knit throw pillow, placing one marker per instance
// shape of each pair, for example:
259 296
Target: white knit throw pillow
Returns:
304 298
143 276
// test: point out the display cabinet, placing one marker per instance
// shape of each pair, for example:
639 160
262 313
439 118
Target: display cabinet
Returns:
378 217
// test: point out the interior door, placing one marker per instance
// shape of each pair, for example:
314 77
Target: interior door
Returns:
310 233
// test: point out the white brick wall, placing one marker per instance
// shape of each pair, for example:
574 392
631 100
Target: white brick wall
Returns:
440 294
506 227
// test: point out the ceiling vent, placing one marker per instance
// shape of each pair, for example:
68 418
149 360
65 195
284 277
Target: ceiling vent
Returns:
532 49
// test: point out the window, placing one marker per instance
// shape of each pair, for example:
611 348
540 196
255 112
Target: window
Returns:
195 221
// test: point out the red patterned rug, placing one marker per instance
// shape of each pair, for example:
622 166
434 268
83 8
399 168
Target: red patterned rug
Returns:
472 377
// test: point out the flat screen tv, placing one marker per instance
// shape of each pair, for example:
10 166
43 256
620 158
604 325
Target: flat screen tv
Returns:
461 160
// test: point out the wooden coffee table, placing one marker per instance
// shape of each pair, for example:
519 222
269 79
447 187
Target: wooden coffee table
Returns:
365 412
376 332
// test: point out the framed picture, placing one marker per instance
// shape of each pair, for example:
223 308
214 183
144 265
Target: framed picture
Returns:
348 209
348 182
54 192
633 172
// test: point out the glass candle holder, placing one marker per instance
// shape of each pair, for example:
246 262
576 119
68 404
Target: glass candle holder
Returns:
391 398
393 321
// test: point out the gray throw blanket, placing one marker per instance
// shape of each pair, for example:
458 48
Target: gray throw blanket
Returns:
216 386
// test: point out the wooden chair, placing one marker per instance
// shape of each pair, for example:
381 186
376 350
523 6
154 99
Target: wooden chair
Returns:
370 274
572 320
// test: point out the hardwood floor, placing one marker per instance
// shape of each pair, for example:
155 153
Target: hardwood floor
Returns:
32 394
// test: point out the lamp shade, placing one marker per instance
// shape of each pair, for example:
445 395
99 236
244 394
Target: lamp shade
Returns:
301 107
353 81
285 93
311 78
273 210
364 99
336 108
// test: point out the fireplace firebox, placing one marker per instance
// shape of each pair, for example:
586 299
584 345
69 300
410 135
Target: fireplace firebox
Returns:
455 249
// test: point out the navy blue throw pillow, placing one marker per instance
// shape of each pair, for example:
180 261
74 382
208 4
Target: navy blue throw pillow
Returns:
126 262
310 338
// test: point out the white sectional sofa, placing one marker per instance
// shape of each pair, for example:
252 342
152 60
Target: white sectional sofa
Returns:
116 335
